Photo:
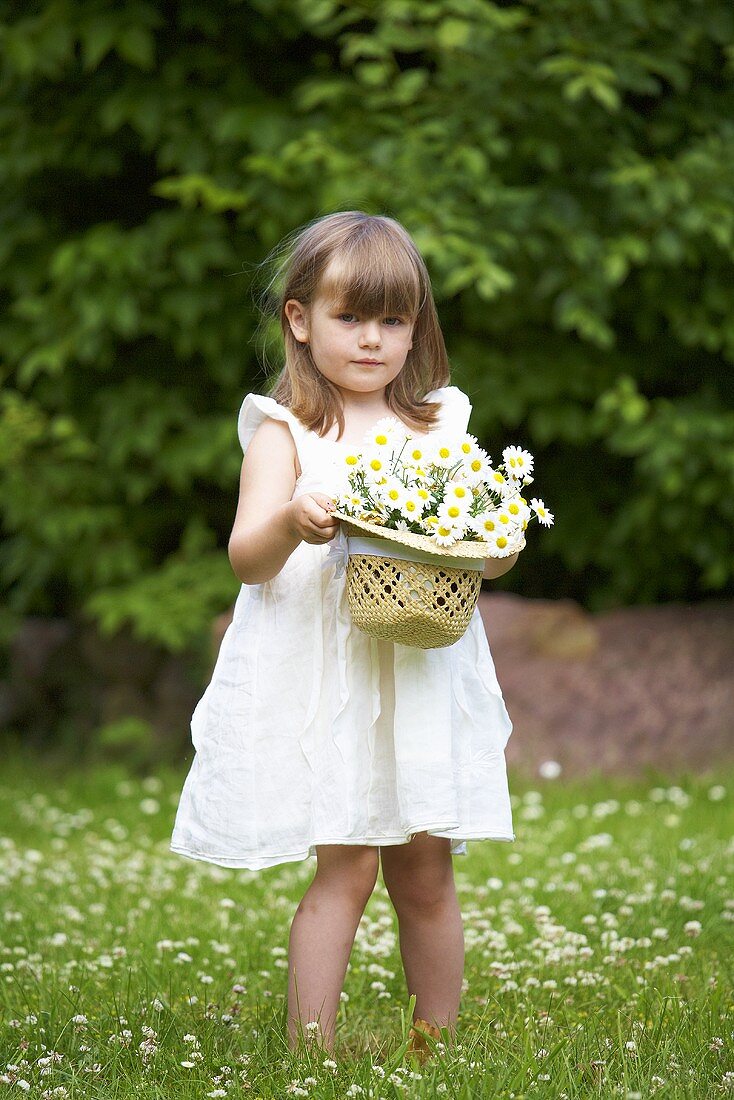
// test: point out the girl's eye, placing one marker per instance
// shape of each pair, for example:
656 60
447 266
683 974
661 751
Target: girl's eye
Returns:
352 317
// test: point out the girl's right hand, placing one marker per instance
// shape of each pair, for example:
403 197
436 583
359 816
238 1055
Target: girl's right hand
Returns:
310 516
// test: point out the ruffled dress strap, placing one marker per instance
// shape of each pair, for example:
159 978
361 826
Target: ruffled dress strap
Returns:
255 408
455 409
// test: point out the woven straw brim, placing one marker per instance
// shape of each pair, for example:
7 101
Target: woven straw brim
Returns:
461 549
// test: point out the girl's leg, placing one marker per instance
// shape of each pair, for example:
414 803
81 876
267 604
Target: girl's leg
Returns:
322 934
419 877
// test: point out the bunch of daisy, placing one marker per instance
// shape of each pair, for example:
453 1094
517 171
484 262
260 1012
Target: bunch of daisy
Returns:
439 485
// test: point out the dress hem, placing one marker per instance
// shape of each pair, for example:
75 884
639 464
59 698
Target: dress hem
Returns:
274 860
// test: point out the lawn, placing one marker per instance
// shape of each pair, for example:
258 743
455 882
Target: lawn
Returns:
598 951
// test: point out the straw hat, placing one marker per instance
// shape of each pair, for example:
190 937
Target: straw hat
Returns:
425 599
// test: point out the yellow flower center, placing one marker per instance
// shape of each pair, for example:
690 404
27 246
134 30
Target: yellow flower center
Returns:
502 542
416 454
381 439
488 525
513 508
352 460
504 518
410 506
476 465
466 448
422 493
376 464
459 491
444 452
444 531
393 494
454 511
498 477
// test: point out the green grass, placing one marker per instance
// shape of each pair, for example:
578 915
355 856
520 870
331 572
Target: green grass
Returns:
598 951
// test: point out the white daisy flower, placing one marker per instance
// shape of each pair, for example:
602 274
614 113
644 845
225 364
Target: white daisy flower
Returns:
468 445
500 544
476 468
474 523
487 524
452 513
497 482
444 453
392 493
517 509
376 465
544 516
517 462
415 453
458 493
385 434
350 462
445 534
349 502
412 506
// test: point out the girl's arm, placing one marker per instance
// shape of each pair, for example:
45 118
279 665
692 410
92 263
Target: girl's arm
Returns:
495 567
269 524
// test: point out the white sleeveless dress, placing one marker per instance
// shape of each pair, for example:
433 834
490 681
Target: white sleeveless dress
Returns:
311 732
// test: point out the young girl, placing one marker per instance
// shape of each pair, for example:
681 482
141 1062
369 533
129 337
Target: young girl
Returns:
313 738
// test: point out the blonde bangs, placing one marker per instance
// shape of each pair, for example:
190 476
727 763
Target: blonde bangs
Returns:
374 275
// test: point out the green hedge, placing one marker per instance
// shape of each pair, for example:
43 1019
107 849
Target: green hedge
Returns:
567 170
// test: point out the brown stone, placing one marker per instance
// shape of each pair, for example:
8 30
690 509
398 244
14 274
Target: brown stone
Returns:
654 691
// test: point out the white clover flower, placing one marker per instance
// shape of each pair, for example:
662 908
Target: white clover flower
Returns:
549 769
544 516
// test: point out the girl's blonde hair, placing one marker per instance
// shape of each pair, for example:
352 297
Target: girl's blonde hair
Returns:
378 271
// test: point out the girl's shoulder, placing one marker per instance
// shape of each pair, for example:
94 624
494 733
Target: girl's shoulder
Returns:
255 408
455 407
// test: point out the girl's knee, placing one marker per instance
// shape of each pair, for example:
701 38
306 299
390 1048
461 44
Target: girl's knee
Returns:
420 882
352 870
422 893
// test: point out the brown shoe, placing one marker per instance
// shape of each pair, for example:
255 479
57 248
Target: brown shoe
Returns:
418 1049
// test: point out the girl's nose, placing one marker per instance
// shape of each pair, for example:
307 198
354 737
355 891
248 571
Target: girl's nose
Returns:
370 334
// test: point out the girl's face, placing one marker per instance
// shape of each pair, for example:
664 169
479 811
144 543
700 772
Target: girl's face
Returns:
359 355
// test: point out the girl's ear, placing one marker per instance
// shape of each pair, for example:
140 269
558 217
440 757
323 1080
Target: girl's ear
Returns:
297 319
